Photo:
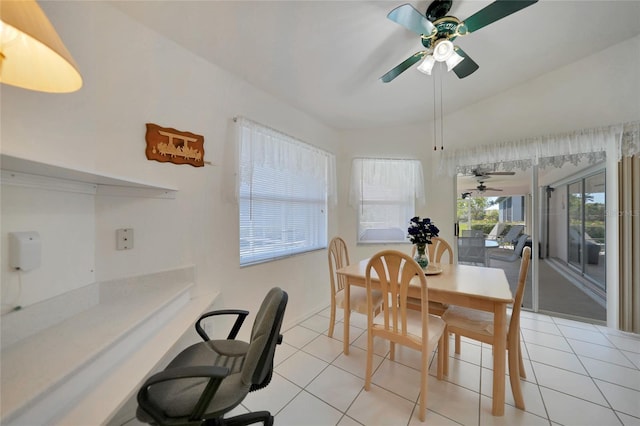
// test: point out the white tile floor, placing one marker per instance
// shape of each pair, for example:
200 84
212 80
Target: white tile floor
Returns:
577 374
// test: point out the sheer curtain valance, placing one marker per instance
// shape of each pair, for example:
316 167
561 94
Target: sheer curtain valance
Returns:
399 179
545 151
267 147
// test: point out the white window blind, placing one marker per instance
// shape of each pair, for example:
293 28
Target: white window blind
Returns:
283 187
384 192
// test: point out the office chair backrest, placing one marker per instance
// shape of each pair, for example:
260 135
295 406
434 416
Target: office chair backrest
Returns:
265 335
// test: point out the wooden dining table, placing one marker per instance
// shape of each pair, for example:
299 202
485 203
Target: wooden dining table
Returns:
476 287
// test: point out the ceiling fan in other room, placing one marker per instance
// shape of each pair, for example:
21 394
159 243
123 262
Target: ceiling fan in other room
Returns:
480 173
481 189
438 31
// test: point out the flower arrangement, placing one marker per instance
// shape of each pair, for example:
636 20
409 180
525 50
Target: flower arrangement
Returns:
421 231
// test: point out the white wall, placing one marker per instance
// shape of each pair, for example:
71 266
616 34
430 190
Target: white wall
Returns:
131 77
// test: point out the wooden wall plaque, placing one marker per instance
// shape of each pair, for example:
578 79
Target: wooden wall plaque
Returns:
165 144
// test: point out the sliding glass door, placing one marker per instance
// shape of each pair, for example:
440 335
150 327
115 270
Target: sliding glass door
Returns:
586 239
563 216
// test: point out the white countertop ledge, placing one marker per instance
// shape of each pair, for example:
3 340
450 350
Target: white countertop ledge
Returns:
84 368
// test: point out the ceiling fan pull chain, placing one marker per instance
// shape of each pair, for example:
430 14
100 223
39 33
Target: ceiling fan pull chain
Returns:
435 135
441 117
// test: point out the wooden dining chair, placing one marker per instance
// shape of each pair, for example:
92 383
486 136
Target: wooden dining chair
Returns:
437 249
339 258
478 325
415 329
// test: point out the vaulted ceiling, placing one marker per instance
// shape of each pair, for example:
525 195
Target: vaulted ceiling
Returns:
326 57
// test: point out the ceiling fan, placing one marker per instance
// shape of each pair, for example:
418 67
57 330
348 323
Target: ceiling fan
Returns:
480 173
437 32
481 188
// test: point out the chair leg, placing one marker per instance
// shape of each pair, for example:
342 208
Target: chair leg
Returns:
263 417
523 373
332 320
442 355
424 380
445 352
457 348
367 374
514 376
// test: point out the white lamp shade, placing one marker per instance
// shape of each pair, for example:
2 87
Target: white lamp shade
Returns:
32 56
427 65
453 60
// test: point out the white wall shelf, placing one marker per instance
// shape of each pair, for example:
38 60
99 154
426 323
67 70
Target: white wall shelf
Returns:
28 173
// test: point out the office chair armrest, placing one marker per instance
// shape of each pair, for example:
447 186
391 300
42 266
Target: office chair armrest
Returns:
215 373
242 315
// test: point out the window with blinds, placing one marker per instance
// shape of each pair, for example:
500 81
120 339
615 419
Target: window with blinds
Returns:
282 193
384 193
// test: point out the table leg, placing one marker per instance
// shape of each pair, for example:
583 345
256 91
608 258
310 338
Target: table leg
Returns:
347 317
499 349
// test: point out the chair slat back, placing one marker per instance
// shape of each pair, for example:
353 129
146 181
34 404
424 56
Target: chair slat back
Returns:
338 258
514 325
437 249
395 271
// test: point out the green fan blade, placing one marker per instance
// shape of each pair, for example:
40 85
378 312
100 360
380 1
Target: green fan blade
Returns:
466 67
409 17
495 11
399 69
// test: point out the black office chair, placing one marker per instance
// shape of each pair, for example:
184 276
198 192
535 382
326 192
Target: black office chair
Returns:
208 379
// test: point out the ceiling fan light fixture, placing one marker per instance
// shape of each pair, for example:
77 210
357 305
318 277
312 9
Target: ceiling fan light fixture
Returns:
453 60
443 50
426 66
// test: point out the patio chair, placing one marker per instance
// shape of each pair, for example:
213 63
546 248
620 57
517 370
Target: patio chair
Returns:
511 255
471 250
495 232
339 258
512 235
472 233
417 330
478 325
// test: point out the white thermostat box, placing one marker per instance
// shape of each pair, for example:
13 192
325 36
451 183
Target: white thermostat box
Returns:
24 250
